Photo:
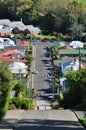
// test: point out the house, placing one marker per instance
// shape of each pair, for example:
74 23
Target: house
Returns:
74 65
64 85
21 30
33 30
60 62
17 24
1 44
37 31
72 53
12 56
10 52
67 64
5 31
76 44
11 59
24 43
18 68
5 22
5 27
65 48
8 42
17 27
59 44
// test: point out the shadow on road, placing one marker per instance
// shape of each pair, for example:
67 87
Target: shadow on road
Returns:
38 124
7 124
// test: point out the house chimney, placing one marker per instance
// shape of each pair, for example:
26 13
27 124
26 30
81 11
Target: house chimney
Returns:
21 20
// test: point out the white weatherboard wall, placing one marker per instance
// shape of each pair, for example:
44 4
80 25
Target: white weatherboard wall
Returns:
72 66
18 67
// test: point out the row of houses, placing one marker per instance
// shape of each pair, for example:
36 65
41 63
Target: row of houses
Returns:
14 57
8 27
11 52
71 57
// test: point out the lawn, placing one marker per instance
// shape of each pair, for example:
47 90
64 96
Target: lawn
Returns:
46 37
83 1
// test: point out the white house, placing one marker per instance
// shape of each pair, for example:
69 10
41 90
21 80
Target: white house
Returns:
72 65
64 85
8 42
1 44
76 44
18 68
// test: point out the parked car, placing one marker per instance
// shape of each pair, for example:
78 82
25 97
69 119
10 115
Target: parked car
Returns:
34 72
50 79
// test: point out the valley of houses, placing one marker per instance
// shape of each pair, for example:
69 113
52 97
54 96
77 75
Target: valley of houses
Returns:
13 50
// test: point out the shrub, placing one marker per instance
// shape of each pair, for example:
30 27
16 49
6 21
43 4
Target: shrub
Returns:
3 108
12 106
60 96
24 104
2 113
83 120
16 102
55 105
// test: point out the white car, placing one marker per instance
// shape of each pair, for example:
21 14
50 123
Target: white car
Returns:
34 72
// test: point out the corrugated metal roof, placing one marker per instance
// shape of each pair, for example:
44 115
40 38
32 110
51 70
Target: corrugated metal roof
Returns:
5 30
82 51
5 22
9 52
62 61
17 24
59 44
30 27
65 48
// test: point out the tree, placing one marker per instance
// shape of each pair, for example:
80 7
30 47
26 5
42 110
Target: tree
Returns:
76 30
76 93
57 84
6 85
15 8
20 89
76 14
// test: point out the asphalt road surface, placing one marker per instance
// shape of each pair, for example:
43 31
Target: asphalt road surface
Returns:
41 85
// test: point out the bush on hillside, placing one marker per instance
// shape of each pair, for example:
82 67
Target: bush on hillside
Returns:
24 104
55 105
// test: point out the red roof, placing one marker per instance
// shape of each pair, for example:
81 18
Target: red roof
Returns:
10 52
84 65
11 59
24 43
65 48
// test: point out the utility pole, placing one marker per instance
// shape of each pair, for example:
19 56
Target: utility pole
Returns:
79 59
20 74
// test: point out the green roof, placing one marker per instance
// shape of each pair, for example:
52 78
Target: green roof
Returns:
59 44
82 51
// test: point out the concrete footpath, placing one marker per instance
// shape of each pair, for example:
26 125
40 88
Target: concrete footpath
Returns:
13 116
80 115
10 119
